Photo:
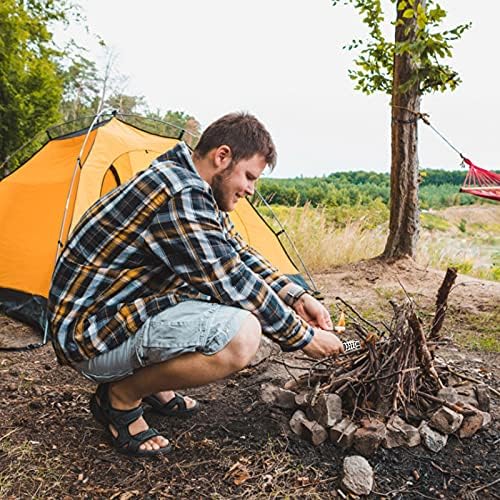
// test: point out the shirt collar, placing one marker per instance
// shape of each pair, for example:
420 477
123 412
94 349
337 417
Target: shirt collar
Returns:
181 156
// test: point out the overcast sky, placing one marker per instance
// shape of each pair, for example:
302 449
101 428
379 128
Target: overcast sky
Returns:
283 61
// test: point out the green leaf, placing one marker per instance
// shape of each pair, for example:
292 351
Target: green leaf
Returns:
408 13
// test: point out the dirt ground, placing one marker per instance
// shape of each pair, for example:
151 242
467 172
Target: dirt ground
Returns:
237 446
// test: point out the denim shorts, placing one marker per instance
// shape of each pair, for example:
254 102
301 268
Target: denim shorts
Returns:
191 326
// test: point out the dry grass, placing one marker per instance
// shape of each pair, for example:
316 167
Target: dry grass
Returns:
323 244
26 472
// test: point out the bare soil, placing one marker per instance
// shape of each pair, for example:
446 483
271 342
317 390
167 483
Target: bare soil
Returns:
237 446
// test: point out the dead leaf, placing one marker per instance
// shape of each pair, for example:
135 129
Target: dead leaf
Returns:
240 477
239 472
129 494
302 480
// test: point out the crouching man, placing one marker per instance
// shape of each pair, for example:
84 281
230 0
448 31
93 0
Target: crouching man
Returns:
155 291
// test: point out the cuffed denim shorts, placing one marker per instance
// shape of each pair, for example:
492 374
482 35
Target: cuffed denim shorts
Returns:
191 326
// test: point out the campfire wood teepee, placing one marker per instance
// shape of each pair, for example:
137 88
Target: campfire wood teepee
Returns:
379 395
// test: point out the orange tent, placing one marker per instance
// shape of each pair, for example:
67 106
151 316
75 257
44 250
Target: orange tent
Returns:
43 200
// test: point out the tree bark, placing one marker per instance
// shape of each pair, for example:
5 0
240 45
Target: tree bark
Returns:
404 219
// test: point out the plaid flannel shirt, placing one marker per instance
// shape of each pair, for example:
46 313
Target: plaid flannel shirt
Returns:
149 244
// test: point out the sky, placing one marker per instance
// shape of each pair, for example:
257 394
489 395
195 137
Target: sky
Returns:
283 61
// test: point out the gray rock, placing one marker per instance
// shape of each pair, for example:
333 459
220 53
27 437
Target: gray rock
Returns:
277 396
285 399
297 423
342 433
302 398
327 409
483 397
448 394
268 393
292 385
433 440
368 438
315 433
358 475
467 395
446 420
307 429
400 433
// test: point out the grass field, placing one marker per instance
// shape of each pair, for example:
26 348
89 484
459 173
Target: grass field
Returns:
464 237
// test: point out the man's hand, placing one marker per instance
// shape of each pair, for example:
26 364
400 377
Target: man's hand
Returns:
323 344
312 311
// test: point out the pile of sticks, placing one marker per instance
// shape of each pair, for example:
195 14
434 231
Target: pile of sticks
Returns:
395 372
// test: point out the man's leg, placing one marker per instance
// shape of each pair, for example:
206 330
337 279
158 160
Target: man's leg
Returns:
185 371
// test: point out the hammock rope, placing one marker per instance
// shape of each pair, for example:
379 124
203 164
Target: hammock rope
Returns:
478 181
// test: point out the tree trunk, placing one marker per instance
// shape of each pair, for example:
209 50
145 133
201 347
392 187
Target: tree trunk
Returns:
404 220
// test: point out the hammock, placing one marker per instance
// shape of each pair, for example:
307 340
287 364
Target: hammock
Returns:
478 181
481 182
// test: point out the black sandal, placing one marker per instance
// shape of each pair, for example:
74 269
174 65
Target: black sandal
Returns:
124 442
175 407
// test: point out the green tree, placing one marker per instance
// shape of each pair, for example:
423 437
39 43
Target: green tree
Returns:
31 86
406 68
176 124
81 88
128 104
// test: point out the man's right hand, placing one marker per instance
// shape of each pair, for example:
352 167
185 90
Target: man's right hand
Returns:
323 344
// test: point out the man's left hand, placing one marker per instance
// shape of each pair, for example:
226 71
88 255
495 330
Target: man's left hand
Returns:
312 311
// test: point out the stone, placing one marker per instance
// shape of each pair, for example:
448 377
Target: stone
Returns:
368 438
473 423
277 396
433 440
400 433
267 348
342 433
302 398
483 397
308 429
315 433
446 420
327 409
358 475
467 396
285 399
291 385
296 423
448 394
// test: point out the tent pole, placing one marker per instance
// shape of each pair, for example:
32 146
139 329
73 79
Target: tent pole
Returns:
283 230
76 169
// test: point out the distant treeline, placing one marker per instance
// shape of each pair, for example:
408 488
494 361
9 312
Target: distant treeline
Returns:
438 188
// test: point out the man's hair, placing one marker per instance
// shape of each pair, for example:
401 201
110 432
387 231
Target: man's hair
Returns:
243 133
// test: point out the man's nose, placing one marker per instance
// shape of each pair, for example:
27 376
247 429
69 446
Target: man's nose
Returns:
250 190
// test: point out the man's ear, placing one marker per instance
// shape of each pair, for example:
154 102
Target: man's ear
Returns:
222 157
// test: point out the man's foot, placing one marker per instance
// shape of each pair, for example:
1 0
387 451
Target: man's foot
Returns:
129 431
169 403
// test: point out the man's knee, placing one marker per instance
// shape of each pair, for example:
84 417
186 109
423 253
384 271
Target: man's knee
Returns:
245 343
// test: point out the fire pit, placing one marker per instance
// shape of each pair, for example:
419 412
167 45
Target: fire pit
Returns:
394 391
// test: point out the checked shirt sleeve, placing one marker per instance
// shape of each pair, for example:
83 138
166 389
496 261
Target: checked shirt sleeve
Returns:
187 236
259 264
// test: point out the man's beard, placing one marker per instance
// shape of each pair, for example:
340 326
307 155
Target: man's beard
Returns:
219 189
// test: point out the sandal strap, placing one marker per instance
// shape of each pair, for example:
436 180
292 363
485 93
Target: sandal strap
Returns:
120 421
114 416
177 402
132 443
